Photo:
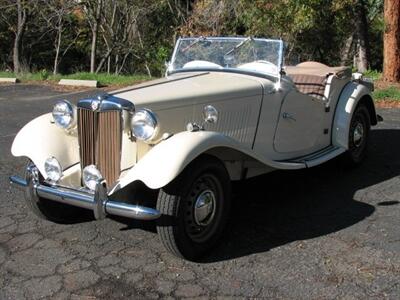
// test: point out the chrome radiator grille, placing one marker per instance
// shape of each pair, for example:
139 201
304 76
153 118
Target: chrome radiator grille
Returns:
100 136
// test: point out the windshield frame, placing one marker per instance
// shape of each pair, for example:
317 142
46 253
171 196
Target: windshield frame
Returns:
170 70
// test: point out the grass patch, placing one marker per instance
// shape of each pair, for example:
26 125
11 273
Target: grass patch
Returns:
104 79
107 79
390 93
39 76
373 74
4 74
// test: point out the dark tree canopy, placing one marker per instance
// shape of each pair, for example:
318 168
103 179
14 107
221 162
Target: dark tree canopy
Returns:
134 36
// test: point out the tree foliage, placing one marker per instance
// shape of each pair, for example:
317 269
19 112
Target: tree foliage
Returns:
134 36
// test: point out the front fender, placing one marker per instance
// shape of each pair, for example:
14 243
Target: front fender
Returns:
348 101
41 139
165 161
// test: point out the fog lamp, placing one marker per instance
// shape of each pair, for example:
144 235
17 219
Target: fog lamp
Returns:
91 176
53 169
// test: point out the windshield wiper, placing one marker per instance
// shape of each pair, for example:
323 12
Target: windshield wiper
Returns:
199 39
239 45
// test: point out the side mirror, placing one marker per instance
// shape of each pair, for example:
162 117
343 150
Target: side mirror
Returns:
210 114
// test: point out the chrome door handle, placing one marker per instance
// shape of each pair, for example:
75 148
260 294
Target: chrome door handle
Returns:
288 116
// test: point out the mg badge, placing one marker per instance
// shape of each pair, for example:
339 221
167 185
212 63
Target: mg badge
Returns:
95 104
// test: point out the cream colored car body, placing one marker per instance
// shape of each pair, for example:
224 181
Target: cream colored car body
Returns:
260 128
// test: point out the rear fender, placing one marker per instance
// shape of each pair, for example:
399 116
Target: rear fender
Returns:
41 139
350 97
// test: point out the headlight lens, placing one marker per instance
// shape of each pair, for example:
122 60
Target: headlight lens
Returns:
91 176
144 125
64 114
53 169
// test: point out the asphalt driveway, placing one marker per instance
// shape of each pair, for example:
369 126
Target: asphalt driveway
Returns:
321 233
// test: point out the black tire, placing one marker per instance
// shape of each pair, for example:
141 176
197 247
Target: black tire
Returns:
54 211
182 229
358 136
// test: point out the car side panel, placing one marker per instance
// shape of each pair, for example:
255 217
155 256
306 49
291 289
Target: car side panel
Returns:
237 117
300 124
271 113
268 120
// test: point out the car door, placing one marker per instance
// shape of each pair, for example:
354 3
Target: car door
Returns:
300 125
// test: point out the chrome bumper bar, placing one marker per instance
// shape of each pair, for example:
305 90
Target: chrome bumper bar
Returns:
98 202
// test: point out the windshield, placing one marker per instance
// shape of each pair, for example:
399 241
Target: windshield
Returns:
262 56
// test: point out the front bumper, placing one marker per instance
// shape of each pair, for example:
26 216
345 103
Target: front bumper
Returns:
98 202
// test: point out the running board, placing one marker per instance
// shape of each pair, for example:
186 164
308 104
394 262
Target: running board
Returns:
319 157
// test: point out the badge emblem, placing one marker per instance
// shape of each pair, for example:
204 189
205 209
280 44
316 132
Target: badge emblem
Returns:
95 104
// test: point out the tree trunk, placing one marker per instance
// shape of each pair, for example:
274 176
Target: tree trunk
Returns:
104 58
17 43
95 29
362 34
123 63
347 51
93 49
58 46
391 41
116 64
21 14
145 60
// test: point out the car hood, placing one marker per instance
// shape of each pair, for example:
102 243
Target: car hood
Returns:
190 88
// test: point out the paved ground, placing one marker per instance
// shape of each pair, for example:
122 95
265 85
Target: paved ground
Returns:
322 233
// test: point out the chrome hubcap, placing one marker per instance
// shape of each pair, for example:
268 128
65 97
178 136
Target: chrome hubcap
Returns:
204 208
358 134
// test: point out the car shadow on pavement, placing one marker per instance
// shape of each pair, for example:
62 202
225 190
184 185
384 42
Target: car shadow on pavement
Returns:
285 206
282 207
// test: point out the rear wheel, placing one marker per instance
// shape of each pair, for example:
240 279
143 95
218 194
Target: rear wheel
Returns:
358 136
195 209
48 209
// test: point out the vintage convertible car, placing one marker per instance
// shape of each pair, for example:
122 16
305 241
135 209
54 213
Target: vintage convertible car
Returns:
168 149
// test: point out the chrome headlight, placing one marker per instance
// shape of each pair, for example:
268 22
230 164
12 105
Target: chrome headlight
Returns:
53 169
144 125
91 176
64 114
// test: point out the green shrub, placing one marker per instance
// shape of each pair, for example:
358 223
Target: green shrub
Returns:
44 74
390 93
373 74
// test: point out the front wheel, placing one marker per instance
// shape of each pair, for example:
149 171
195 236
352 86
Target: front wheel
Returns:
195 208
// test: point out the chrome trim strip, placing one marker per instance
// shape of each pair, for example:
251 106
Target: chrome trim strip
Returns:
106 102
132 211
98 202
66 196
